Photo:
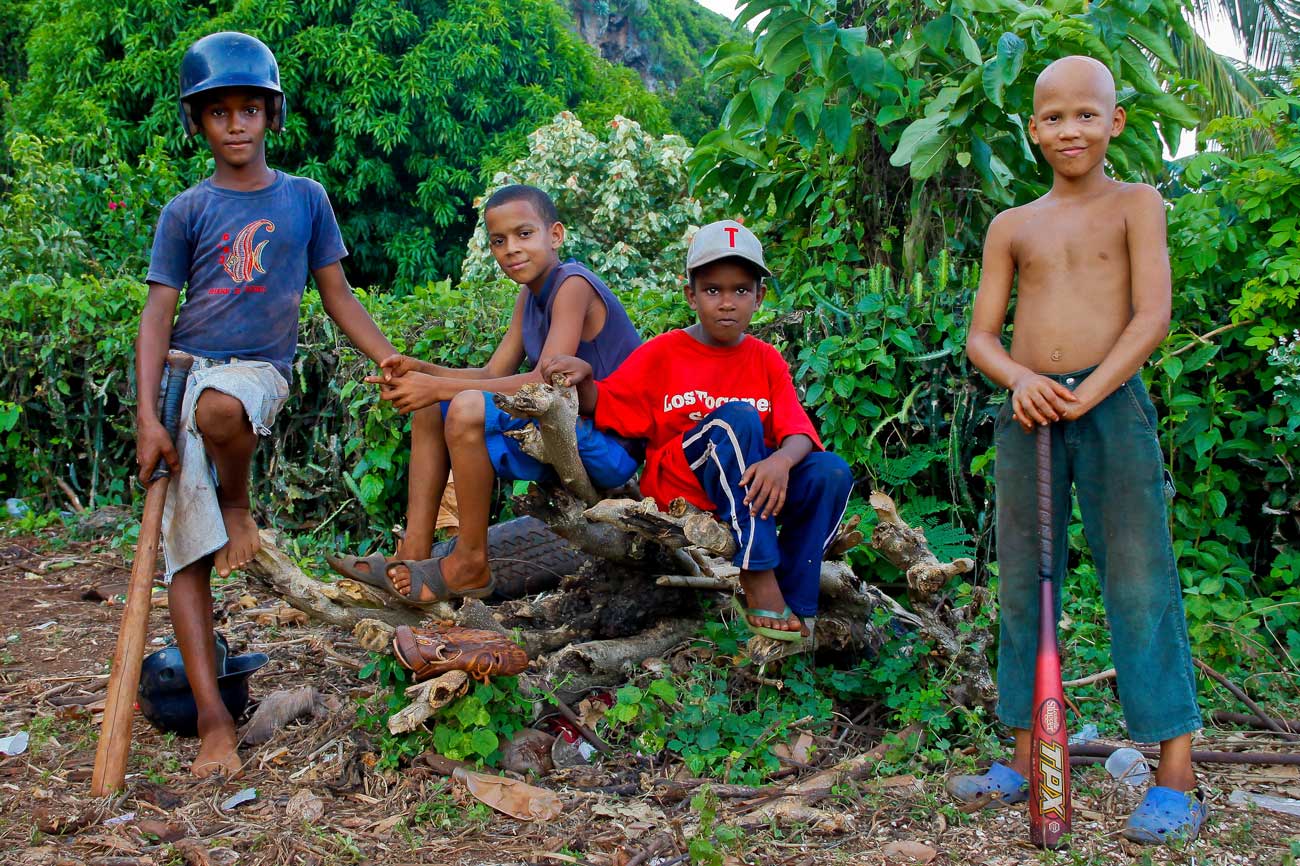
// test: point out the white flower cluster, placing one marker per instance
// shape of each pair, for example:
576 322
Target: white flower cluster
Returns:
622 196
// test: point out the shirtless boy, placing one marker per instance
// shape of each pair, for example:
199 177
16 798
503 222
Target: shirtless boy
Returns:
1093 301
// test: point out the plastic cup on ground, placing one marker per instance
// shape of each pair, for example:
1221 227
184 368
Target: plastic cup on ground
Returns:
1128 766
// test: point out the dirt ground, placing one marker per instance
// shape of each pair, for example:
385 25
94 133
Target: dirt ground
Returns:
321 801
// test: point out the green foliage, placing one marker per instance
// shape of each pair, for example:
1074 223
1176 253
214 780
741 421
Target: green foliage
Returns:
1230 399
470 728
722 727
392 106
621 193
823 93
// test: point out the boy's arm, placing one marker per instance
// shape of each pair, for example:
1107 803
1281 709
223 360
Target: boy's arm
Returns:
568 314
151 440
343 307
1035 399
505 360
1144 217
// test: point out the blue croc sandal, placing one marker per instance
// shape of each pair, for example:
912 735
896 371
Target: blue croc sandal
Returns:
999 779
1166 815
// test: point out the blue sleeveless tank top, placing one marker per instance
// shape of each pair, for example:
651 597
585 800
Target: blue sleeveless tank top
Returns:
610 347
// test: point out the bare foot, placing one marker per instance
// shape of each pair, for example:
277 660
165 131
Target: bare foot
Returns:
459 576
763 593
217 754
243 541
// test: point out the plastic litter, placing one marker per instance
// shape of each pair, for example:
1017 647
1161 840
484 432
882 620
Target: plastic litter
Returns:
1086 734
120 819
15 744
16 507
237 799
1285 805
1128 766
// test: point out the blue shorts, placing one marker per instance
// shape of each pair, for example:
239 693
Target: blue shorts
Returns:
605 456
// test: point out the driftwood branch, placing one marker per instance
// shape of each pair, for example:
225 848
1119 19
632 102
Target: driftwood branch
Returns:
681 526
907 548
344 603
555 408
952 629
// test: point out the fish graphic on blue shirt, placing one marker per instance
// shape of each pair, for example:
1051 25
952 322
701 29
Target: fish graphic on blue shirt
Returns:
244 259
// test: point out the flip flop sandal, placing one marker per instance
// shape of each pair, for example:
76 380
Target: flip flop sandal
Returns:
427 652
765 631
1167 815
427 574
1009 786
351 568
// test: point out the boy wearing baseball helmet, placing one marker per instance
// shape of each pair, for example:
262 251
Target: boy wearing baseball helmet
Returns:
725 431
241 244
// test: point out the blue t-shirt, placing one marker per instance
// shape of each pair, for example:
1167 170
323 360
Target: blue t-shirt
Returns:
243 259
610 347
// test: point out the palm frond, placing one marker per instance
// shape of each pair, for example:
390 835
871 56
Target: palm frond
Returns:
1268 30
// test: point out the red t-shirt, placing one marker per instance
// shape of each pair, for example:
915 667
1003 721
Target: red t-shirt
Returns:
669 384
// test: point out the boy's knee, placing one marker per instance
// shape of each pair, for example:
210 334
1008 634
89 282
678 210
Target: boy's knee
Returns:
426 420
739 416
220 417
830 473
465 414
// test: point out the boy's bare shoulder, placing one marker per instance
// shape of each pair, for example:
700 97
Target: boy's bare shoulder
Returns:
1005 224
1138 196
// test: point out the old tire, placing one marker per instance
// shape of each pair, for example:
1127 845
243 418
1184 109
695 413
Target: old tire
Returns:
525 556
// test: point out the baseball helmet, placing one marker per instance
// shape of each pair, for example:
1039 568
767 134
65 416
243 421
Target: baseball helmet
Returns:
230 59
165 697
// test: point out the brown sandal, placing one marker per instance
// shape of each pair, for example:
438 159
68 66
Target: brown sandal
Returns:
427 652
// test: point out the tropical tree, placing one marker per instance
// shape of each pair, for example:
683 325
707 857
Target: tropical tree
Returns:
394 106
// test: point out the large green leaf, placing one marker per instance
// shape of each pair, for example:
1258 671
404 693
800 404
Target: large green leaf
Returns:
966 43
917 132
820 40
837 124
766 91
867 70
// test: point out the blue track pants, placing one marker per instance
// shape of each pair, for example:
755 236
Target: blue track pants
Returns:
719 449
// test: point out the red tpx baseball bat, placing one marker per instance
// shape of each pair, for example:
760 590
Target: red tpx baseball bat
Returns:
1049 773
114 746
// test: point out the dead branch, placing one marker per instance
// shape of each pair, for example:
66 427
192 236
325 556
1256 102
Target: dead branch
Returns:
846 538
580 667
680 527
1107 674
1103 750
951 628
1255 708
1225 717
344 603
555 408
907 548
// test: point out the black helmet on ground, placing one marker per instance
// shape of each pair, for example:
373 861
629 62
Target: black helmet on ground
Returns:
165 697
230 59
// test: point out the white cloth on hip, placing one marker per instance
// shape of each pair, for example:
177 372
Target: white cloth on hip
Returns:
192 526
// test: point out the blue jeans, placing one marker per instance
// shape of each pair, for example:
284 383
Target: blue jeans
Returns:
719 449
1112 459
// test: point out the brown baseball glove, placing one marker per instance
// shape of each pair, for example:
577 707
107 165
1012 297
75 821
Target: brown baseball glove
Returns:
427 652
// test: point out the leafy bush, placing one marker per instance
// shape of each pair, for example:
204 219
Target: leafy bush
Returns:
622 196
392 106
917 112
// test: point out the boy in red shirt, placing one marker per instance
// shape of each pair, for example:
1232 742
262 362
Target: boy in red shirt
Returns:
726 432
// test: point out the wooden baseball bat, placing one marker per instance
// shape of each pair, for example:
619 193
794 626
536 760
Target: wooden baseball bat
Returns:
119 705
1049 771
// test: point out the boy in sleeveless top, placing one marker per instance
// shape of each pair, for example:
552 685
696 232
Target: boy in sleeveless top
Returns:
562 309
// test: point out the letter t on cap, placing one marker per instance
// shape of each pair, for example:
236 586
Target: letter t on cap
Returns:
731 235
724 239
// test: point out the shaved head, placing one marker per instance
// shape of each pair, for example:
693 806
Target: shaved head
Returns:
1075 74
